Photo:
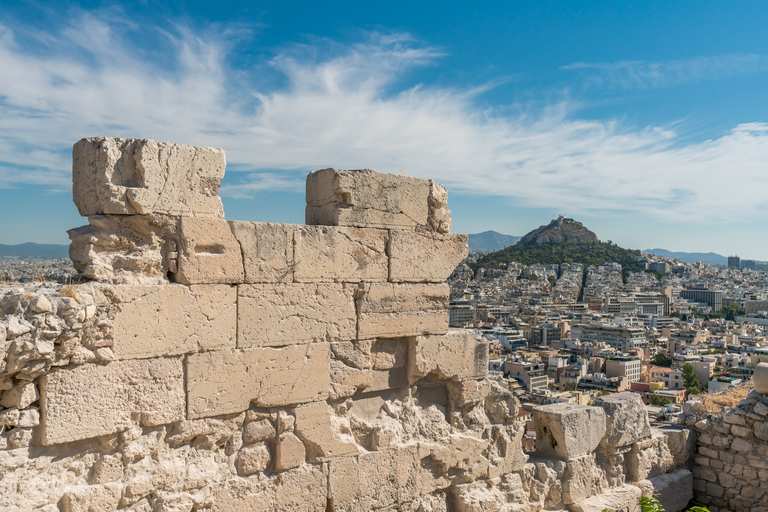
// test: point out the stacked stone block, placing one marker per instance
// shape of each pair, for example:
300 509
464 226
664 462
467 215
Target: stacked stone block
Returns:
222 365
730 468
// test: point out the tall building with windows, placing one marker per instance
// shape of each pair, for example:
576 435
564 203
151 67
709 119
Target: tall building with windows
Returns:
734 262
712 298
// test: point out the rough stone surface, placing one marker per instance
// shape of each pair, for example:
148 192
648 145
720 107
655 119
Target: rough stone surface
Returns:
569 430
340 254
289 451
277 315
458 355
194 318
673 490
95 400
314 428
267 250
123 248
267 377
627 420
760 378
391 310
424 257
620 499
366 199
208 253
141 176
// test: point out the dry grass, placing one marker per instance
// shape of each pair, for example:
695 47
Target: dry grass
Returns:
69 289
725 400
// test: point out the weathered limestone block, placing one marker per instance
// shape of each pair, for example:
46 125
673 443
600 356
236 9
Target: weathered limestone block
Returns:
569 430
123 249
627 420
303 489
388 353
394 310
94 400
648 457
459 456
289 451
253 459
424 256
347 381
439 220
260 430
479 496
313 427
267 251
622 499
92 497
366 199
272 315
20 396
152 321
681 443
582 479
760 378
226 382
673 490
458 355
340 254
141 176
208 253
375 480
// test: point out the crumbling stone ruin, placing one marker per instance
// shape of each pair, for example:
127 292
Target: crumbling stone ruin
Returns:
243 366
730 468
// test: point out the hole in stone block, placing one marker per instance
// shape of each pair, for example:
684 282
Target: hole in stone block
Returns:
209 249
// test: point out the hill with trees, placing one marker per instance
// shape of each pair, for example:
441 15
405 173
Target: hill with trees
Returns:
562 241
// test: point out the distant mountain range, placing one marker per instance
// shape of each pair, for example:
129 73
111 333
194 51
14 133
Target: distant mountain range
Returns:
491 241
32 251
709 258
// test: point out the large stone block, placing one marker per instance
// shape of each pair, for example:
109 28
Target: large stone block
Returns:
649 457
123 248
366 199
314 428
375 480
624 499
582 478
760 378
152 321
681 443
226 382
141 176
340 254
267 250
392 310
673 490
208 253
272 315
627 420
93 400
569 430
424 256
458 355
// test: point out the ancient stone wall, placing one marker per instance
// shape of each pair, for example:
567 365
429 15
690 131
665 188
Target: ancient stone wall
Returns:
241 366
730 468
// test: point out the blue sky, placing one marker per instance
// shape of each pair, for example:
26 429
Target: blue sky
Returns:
647 121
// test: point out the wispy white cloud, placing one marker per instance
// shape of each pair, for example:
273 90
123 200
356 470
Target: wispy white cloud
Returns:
643 74
346 106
